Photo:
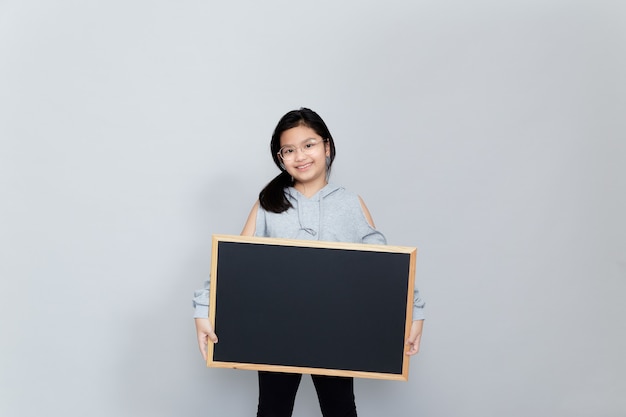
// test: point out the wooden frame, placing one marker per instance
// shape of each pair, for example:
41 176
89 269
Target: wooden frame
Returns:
311 307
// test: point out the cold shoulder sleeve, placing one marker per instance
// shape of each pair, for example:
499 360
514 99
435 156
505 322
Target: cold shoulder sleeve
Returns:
418 305
201 301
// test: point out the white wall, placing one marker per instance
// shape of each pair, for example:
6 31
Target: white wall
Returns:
490 134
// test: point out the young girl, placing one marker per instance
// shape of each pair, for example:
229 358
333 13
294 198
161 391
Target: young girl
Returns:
300 204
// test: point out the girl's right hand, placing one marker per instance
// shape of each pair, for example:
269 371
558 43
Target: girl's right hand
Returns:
205 333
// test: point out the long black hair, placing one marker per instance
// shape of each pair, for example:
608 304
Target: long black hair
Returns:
272 197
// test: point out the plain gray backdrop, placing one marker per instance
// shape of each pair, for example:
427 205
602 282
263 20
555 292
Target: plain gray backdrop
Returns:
489 134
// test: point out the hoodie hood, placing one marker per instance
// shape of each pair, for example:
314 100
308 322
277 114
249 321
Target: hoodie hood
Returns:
311 210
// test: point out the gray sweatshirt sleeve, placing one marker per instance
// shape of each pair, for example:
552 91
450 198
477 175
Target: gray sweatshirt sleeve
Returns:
418 305
201 301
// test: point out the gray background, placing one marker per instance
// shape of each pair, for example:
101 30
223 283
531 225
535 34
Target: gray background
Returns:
489 134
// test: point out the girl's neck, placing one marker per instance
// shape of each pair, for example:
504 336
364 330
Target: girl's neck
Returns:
309 189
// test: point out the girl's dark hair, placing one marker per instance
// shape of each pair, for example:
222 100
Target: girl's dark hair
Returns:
272 197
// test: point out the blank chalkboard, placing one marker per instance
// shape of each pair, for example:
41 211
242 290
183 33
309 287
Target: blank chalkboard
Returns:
311 307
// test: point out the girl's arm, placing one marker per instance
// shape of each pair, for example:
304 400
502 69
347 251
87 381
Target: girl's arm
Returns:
415 334
368 216
250 226
204 330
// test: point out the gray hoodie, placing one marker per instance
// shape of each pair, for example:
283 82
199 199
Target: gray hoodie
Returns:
333 214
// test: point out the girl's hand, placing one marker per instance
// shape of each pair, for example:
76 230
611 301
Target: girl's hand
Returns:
415 335
205 333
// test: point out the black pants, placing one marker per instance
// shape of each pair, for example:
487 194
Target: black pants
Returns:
277 393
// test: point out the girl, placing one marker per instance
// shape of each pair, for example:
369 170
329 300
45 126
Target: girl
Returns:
300 204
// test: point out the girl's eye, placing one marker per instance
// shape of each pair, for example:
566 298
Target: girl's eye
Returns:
287 151
309 145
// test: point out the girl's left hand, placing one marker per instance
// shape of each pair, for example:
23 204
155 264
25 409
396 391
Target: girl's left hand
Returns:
415 335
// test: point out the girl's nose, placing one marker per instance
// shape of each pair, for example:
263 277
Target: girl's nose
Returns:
300 154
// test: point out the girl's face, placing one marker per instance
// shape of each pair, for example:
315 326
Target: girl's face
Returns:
304 156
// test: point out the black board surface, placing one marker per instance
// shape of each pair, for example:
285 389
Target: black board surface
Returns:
311 308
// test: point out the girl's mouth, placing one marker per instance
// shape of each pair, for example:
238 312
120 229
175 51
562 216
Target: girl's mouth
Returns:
305 166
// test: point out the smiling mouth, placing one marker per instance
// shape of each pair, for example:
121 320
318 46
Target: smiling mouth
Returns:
305 166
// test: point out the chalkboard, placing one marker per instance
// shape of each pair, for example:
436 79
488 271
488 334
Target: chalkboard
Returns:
311 307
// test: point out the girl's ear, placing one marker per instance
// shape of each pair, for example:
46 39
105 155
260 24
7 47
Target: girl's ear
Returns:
327 147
